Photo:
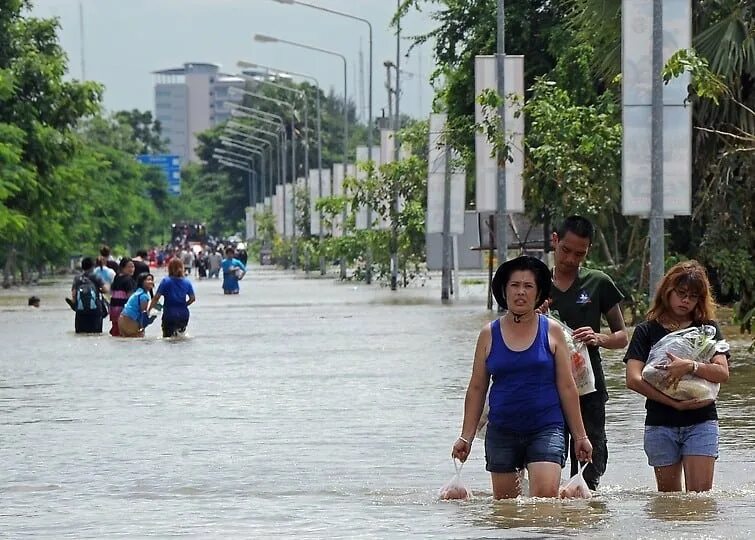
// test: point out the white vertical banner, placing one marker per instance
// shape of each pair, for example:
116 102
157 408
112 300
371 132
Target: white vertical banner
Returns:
268 202
250 225
637 82
278 209
290 213
339 173
387 155
436 180
314 196
486 168
436 174
314 189
361 176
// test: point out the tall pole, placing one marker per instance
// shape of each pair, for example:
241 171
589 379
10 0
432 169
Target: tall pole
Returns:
501 217
342 272
397 154
370 127
656 164
446 270
83 49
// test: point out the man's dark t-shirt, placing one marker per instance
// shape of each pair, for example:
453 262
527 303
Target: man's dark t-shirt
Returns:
590 296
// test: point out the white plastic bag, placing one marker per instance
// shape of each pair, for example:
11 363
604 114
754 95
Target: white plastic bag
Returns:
579 360
575 487
455 489
693 343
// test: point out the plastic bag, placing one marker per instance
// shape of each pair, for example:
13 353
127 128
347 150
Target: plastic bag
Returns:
482 425
579 359
693 343
575 487
455 489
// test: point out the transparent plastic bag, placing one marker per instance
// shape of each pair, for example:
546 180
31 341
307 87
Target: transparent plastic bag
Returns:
454 489
575 487
693 343
579 360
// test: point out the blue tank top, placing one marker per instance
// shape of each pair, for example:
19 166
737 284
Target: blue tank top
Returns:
523 397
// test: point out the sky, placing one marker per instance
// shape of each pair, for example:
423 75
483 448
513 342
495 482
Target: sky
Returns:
124 41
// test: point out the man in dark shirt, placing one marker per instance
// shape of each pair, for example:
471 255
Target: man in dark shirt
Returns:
579 297
140 263
88 320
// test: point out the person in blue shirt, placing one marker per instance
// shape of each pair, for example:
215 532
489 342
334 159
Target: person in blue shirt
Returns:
533 391
179 295
233 271
135 315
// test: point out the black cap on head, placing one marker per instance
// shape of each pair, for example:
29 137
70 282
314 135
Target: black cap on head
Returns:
525 262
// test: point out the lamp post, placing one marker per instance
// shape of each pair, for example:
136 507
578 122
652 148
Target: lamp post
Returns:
368 255
303 96
250 136
257 130
221 153
250 65
235 90
501 217
273 120
269 39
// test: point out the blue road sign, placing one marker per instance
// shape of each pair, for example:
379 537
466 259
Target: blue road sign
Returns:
170 165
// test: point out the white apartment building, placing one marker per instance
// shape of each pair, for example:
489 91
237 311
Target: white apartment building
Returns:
189 100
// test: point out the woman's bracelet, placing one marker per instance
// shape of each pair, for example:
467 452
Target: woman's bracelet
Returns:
465 440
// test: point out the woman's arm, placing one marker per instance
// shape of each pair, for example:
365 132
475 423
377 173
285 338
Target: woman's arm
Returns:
475 396
716 372
635 382
191 300
153 302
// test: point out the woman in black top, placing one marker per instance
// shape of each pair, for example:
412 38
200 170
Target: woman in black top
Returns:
681 437
122 287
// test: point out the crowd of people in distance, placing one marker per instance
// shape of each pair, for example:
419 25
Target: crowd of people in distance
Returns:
125 292
536 416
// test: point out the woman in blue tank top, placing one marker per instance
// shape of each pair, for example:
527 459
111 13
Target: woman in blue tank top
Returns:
526 357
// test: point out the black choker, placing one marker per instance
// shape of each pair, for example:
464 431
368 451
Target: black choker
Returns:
517 318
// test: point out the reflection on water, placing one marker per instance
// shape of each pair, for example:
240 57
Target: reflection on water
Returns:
682 507
302 408
547 515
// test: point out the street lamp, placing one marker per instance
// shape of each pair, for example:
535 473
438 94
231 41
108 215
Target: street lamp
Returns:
222 154
239 91
257 130
269 39
250 65
301 94
368 274
270 119
252 137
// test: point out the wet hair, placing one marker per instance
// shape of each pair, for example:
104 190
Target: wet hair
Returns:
578 225
689 276
87 263
176 267
141 278
124 262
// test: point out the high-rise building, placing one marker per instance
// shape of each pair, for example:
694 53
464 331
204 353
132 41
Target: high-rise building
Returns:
189 100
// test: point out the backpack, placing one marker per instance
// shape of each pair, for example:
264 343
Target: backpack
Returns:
88 297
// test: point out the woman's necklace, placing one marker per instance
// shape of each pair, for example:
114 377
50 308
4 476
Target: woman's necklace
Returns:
672 325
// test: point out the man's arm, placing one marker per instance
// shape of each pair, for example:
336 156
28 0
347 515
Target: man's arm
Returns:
618 338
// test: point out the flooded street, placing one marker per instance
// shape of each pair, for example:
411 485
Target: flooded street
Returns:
305 408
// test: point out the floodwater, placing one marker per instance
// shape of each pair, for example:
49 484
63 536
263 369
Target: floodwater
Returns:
310 409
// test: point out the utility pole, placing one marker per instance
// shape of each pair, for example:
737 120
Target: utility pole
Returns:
446 267
83 49
397 156
657 247
501 217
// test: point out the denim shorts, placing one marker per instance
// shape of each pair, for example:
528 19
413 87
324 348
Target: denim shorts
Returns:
510 451
666 445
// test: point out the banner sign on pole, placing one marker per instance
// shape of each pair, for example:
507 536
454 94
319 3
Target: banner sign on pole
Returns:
339 174
436 179
314 196
486 168
637 82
